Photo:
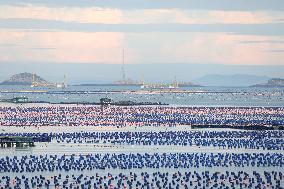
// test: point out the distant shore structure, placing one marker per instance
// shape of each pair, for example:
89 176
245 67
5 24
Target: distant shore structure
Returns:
174 85
124 79
123 67
35 83
128 81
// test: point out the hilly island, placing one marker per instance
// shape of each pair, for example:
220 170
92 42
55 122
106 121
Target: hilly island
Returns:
23 79
275 82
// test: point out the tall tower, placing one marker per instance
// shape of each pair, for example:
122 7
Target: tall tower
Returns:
123 69
142 80
64 81
175 84
33 81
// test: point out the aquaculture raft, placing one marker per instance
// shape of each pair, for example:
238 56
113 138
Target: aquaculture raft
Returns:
17 141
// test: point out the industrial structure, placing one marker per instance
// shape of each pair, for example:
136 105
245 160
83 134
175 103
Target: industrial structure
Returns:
124 79
123 68
47 84
173 85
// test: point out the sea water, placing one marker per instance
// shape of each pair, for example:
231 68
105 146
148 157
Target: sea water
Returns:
186 96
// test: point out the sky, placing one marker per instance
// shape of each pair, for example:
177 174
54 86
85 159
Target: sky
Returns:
202 32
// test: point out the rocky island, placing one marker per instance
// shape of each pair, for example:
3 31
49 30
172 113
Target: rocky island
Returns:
23 79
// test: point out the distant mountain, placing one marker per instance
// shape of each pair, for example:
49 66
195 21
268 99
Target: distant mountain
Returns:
231 80
23 79
275 82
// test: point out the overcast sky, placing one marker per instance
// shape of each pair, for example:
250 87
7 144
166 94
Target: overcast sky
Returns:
230 32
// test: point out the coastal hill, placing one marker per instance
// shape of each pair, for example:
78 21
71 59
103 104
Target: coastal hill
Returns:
275 82
23 79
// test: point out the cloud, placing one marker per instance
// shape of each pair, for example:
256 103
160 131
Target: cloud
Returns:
138 16
42 48
200 48
9 45
274 51
199 16
70 14
140 47
61 46
262 42
240 5
88 31
273 29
